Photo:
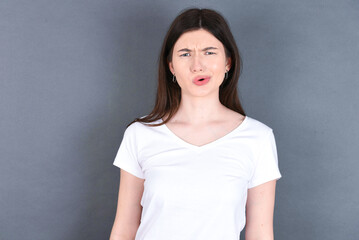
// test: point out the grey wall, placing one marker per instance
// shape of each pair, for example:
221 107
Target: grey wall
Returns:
74 73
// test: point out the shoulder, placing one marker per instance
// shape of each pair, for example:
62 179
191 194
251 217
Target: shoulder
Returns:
251 123
257 127
140 128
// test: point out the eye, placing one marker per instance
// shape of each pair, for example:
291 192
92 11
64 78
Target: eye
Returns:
183 55
211 53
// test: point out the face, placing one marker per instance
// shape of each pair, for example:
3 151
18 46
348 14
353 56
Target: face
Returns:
199 54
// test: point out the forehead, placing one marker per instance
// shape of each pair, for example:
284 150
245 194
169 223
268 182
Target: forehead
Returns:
197 38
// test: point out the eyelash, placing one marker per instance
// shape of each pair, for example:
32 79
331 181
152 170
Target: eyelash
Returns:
212 53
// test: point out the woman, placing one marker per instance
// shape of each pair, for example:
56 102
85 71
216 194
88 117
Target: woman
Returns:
196 167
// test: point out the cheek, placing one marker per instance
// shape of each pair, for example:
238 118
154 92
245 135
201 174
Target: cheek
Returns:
180 67
215 66
216 63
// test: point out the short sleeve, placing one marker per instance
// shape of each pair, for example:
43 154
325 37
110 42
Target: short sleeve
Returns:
266 167
126 157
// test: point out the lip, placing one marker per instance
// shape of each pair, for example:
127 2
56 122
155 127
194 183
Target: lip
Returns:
196 79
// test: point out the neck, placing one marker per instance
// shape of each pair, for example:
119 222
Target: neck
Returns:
199 110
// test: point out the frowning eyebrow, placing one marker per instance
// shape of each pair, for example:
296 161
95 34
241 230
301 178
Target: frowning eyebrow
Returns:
188 50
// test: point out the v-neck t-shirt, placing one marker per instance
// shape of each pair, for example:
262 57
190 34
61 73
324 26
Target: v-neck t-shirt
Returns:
197 192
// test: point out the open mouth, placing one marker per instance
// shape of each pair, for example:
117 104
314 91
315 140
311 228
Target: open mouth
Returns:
201 80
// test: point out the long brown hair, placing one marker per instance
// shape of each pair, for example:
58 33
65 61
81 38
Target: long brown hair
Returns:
168 95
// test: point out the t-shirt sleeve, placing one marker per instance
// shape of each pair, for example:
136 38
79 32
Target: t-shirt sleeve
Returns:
266 167
126 157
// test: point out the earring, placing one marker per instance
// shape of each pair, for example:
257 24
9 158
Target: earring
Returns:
226 75
173 79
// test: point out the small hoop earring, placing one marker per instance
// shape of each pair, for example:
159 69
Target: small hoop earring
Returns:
173 79
226 75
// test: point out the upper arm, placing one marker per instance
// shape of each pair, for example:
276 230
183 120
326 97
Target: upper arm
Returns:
129 209
259 211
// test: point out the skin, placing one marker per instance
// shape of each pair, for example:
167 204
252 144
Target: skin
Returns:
201 119
129 209
199 104
259 212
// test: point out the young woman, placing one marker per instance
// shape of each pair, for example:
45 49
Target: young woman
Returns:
196 167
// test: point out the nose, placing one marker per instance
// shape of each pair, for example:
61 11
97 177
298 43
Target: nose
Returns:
197 64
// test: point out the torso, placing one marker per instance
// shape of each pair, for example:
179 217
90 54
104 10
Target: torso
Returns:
206 133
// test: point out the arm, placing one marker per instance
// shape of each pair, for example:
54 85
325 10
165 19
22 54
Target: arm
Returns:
129 209
259 212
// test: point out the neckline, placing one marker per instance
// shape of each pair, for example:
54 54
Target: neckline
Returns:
198 148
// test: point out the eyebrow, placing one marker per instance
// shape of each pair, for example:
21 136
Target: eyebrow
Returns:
188 50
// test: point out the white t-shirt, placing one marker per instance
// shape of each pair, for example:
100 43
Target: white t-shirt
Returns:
193 192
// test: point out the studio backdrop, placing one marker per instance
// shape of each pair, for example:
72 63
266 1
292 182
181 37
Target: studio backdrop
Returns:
73 74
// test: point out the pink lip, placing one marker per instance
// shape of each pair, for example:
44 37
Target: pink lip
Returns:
199 83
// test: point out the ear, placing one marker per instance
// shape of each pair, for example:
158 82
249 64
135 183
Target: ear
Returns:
170 65
228 64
